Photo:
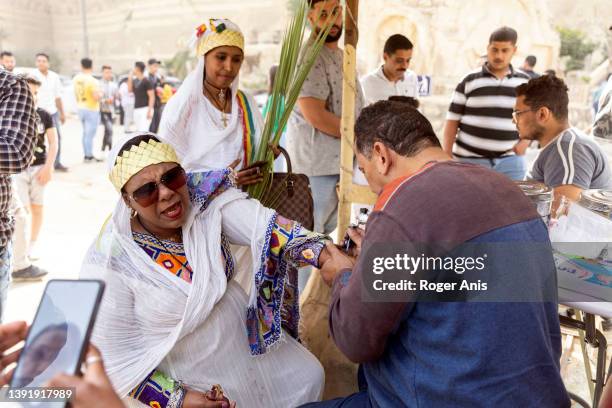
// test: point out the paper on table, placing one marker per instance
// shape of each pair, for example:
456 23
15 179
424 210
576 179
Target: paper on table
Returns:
584 268
580 226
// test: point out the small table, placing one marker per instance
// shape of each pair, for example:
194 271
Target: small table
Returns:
594 300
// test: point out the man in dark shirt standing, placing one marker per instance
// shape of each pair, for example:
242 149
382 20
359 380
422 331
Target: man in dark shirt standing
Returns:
17 137
30 186
144 97
529 65
419 351
154 78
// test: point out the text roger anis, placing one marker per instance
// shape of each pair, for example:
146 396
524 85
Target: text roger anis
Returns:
411 264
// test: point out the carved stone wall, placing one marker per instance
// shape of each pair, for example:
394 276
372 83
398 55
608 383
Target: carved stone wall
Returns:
121 32
449 35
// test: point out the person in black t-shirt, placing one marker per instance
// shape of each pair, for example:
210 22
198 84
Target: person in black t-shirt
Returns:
154 78
144 97
30 186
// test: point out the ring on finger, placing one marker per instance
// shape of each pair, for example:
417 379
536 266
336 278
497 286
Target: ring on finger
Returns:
92 360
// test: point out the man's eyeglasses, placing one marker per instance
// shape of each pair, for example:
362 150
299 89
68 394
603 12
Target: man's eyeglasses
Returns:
147 194
515 113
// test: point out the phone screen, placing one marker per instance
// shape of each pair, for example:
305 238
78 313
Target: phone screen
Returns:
59 333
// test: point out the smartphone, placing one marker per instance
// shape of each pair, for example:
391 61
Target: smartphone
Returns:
59 335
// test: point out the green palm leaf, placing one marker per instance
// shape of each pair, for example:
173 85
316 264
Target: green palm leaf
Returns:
296 59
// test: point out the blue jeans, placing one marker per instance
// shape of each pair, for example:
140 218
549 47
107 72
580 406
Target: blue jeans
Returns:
325 202
90 120
5 273
57 122
357 400
514 167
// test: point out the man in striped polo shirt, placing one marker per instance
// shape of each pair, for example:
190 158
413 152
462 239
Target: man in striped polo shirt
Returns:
479 126
569 162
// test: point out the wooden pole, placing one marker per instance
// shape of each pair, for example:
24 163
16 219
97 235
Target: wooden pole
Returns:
348 192
349 93
340 373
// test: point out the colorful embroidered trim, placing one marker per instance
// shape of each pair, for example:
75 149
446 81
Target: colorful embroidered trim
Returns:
155 390
175 262
288 246
205 186
248 126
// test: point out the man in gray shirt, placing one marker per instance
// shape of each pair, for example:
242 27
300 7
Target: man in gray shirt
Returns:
570 161
313 134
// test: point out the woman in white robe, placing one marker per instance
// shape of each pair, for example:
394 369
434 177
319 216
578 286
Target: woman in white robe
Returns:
210 122
173 322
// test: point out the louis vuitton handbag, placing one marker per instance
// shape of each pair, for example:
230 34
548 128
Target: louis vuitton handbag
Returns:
290 195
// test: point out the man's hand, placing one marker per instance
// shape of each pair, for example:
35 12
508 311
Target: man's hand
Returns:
356 234
150 113
94 389
62 116
520 148
44 175
336 262
10 335
275 150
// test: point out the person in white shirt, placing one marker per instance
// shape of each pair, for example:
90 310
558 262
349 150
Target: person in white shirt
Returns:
127 104
393 78
50 99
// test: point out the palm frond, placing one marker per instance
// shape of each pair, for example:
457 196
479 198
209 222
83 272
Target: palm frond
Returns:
296 60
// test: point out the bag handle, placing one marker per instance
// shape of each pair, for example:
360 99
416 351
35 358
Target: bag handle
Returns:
287 158
289 181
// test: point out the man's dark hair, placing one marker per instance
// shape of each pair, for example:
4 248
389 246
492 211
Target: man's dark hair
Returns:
312 3
550 72
32 80
398 126
546 91
409 100
140 65
42 54
531 60
6 54
504 34
86 63
106 67
397 42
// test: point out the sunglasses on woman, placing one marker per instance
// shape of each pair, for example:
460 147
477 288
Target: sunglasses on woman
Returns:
148 194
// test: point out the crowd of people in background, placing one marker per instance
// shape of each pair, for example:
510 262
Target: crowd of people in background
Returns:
496 113
97 102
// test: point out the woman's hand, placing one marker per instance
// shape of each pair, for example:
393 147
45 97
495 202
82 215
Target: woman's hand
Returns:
210 399
252 174
10 335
